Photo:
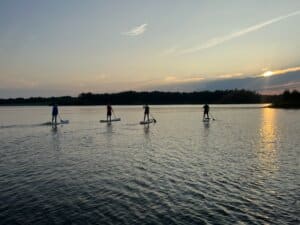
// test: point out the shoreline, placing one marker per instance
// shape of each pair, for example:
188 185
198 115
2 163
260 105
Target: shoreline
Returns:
283 106
263 105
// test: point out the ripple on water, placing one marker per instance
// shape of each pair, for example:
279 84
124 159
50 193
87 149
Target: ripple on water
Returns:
234 171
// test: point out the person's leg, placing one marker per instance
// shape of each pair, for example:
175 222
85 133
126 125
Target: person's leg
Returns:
204 115
148 116
55 118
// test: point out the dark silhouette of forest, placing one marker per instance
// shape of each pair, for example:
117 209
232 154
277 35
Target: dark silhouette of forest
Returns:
156 97
288 99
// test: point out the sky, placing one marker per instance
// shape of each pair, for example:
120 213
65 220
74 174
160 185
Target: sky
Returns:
53 47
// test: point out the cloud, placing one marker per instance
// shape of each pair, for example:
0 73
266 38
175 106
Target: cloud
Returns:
275 89
169 51
173 79
230 75
139 30
170 79
219 40
283 71
288 78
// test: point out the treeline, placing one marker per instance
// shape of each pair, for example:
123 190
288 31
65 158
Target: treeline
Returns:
155 97
288 99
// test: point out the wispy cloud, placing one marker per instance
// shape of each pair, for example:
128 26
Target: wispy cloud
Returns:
169 51
136 30
278 89
173 79
283 71
219 40
230 75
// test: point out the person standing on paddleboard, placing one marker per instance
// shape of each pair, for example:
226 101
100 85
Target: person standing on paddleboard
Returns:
109 111
206 111
146 112
54 114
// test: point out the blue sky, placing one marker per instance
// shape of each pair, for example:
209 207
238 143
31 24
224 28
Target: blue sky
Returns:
67 47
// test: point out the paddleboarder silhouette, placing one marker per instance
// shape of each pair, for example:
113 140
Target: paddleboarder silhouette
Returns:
206 111
109 111
54 114
146 112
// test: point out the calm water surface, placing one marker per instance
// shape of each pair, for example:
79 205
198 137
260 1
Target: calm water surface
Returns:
242 168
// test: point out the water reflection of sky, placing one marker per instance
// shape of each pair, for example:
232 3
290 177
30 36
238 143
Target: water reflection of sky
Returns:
268 147
243 167
55 140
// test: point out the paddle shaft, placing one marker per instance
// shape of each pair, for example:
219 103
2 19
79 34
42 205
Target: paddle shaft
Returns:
114 114
153 117
212 116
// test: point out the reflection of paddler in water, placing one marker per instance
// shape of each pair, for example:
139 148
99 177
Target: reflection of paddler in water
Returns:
206 125
54 129
109 111
146 129
146 112
206 112
54 114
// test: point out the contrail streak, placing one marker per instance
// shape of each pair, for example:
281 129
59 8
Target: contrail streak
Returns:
219 40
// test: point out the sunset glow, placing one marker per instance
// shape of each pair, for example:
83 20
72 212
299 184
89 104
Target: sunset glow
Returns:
104 46
267 74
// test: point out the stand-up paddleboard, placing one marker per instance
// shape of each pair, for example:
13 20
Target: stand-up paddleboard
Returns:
112 120
62 122
148 121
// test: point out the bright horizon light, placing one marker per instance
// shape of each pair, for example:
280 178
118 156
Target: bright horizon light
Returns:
267 74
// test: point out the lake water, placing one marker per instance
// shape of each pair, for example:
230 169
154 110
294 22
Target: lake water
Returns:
241 168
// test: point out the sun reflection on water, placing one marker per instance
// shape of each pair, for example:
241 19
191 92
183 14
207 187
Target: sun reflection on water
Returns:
267 152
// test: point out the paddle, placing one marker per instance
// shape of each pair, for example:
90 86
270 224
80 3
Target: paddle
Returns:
212 116
114 114
62 121
153 118
60 118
